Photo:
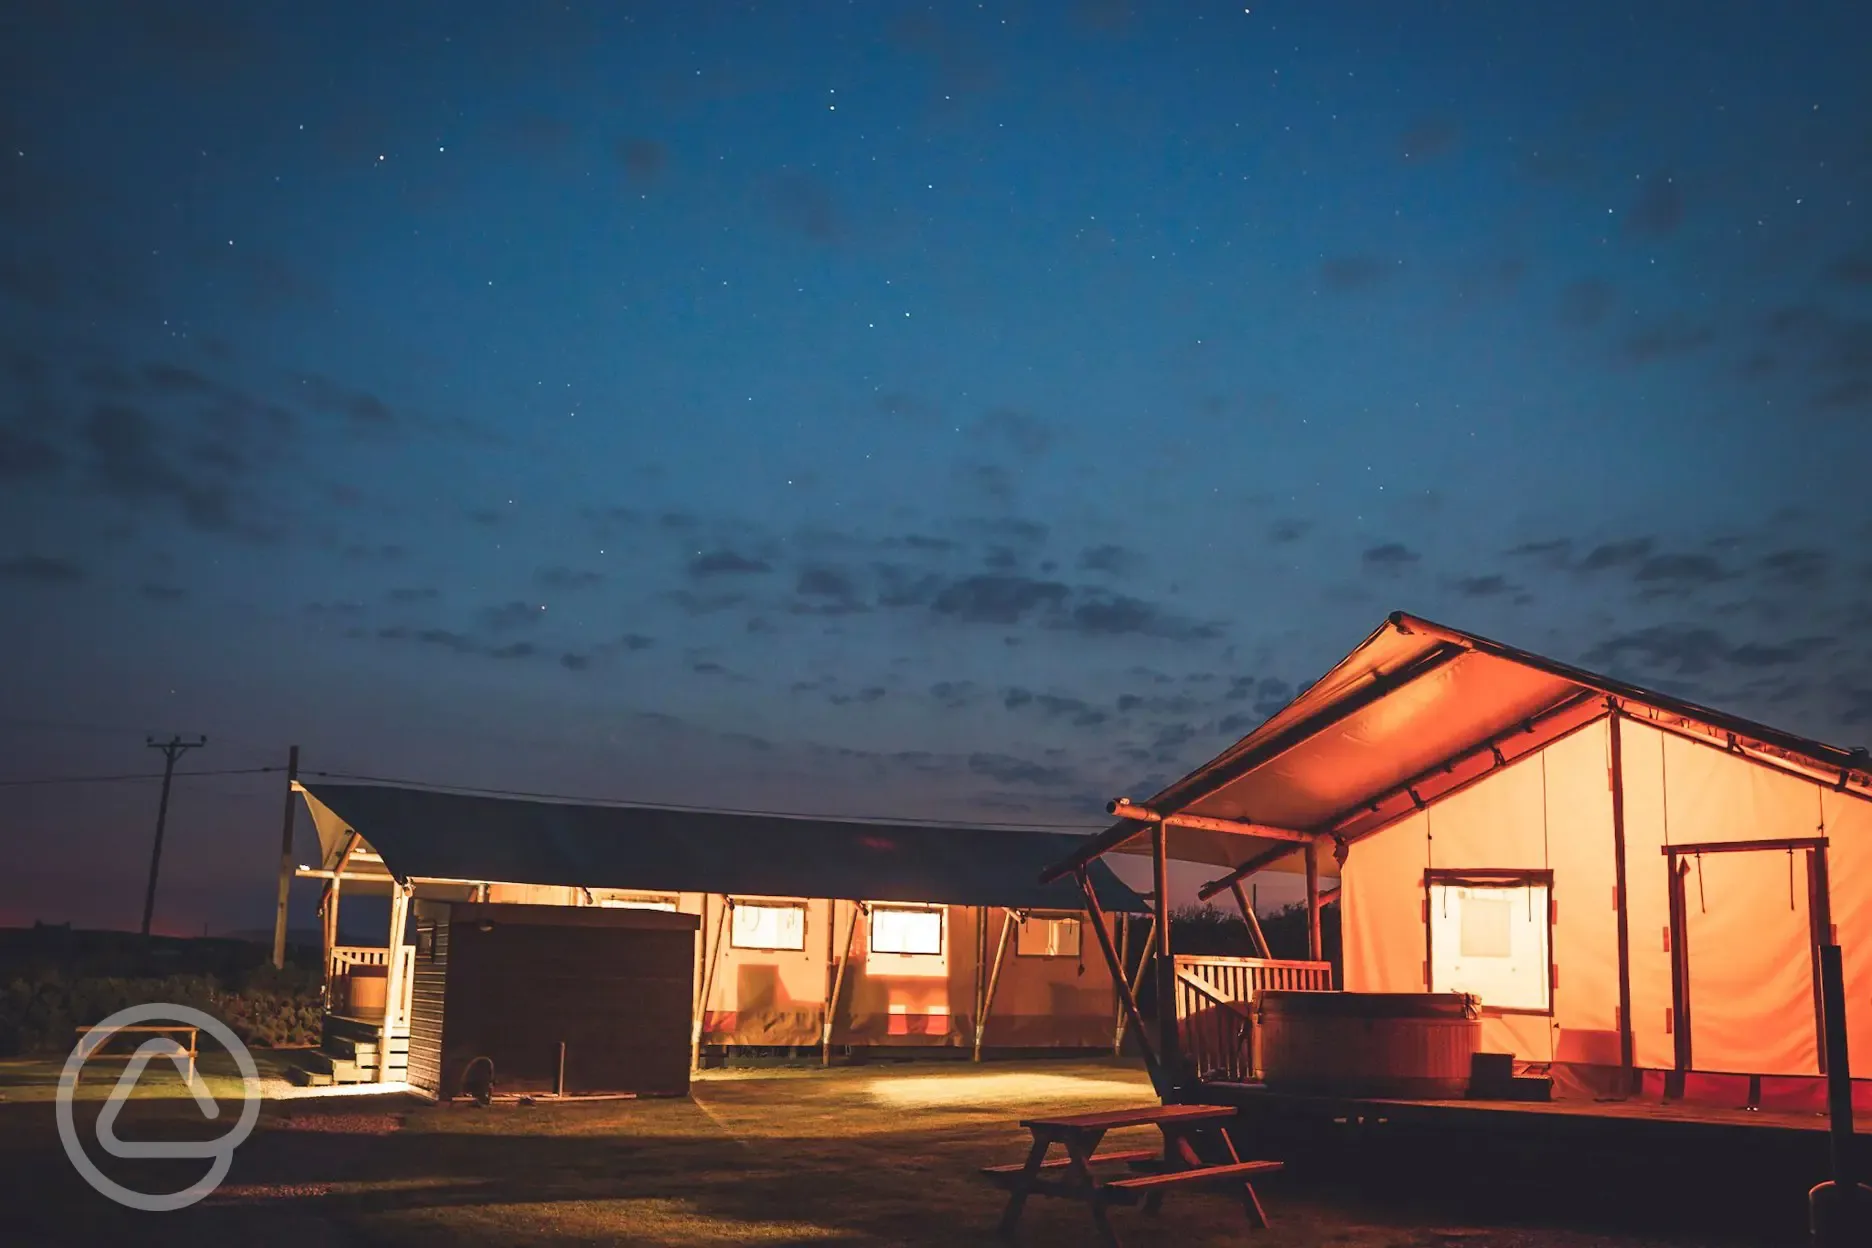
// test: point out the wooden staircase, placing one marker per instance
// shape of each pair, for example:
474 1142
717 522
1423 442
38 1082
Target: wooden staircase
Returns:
347 1053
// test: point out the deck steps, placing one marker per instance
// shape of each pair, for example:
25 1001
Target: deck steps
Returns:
348 1053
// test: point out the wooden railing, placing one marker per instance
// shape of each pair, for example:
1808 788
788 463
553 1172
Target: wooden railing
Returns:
1214 1004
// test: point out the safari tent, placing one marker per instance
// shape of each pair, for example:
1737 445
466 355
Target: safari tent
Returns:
1634 888
818 934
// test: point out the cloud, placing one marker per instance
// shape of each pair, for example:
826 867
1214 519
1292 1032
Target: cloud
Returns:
1681 570
1489 586
803 204
27 458
1803 568
1346 274
1584 304
1283 532
1428 140
1111 615
562 579
1006 769
40 570
1389 557
1077 711
1657 210
440 638
644 160
358 406
1673 338
1111 560
1854 269
574 662
954 693
1674 649
987 599
726 563
511 615
409 597
1619 554
130 464
162 593
992 481
1022 432
514 650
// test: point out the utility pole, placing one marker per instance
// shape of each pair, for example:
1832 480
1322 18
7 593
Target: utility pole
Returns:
173 748
286 860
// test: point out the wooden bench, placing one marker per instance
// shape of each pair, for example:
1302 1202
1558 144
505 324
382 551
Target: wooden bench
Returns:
1179 1164
189 1051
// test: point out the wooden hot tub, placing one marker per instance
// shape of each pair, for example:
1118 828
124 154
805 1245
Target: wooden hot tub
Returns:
1403 1045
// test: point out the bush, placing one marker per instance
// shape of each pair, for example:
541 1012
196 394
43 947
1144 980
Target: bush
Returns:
41 1011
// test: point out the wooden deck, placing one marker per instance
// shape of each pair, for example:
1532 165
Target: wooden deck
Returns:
1487 1114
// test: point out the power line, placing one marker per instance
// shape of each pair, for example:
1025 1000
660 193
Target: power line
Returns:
700 810
137 775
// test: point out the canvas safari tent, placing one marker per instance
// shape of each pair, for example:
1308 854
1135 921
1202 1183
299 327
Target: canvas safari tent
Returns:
1635 888
812 933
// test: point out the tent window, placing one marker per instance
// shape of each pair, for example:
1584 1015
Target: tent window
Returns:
626 901
1039 937
903 930
759 925
1493 940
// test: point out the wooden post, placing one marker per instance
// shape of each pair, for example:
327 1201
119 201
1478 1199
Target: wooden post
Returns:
286 860
838 985
1680 988
1251 919
1627 1059
994 977
1145 956
709 961
393 974
1096 914
1124 952
1165 971
1313 901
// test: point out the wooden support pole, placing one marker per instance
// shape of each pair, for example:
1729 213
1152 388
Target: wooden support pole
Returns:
1147 952
1124 951
838 985
710 958
994 977
1313 903
1259 862
393 975
286 860
1252 920
1125 808
1165 970
1616 780
1096 915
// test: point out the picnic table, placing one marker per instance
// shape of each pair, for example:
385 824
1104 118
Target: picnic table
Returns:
1150 1173
191 1050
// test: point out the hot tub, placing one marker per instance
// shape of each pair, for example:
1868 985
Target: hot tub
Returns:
1398 1045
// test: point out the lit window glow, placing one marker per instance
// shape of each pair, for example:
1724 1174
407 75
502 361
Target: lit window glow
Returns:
908 931
759 926
1492 941
1047 938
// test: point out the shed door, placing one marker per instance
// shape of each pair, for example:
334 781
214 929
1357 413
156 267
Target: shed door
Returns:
1749 951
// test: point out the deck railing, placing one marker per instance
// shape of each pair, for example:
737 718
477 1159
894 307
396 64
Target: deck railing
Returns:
1214 1004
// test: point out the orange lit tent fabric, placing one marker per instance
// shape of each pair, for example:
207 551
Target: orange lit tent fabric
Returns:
1457 775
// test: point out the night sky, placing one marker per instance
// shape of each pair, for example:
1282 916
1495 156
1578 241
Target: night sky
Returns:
966 411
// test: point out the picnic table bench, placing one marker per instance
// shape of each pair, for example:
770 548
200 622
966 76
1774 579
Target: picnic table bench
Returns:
1151 1173
190 1051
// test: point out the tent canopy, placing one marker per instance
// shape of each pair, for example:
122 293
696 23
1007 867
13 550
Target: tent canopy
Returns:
426 834
1414 712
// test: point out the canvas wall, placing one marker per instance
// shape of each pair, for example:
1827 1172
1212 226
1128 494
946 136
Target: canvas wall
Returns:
1746 922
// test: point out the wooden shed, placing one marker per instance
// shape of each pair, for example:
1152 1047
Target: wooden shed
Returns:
550 999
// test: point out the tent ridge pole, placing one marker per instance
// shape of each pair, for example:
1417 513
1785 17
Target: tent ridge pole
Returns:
994 978
1616 780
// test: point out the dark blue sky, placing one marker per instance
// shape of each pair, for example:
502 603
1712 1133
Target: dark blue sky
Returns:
967 411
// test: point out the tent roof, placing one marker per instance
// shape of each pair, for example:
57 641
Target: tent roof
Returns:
428 834
1419 705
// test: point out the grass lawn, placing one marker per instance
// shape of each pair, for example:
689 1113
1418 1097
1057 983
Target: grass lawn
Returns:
881 1154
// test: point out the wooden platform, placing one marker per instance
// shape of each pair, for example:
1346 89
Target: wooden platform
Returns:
1495 1114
